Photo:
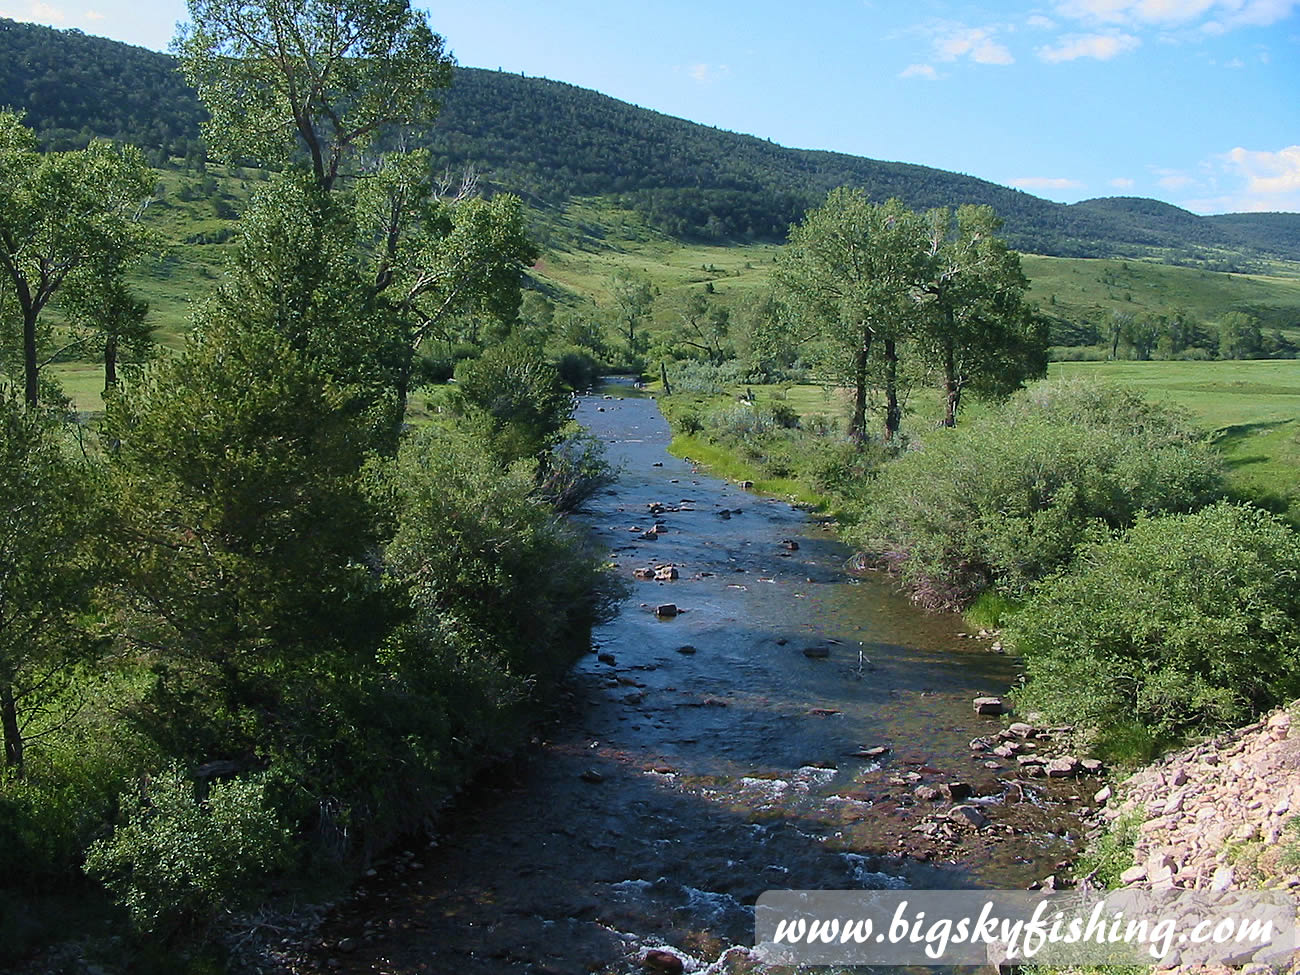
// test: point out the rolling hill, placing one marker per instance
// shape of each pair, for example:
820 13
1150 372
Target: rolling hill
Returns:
552 142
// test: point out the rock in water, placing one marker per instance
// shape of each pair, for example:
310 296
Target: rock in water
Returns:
657 960
667 610
991 705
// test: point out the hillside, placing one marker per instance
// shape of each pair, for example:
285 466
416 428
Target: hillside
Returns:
552 141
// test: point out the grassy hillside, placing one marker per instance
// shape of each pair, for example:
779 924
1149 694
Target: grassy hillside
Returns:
553 142
1091 290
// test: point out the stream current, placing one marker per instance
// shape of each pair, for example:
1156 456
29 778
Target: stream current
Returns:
685 782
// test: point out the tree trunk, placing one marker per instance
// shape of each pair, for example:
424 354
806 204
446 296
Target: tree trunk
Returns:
13 735
110 362
663 374
858 427
893 415
30 367
951 392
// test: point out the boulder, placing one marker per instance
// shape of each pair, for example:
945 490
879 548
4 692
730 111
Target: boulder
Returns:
926 793
665 573
991 706
1064 767
666 610
644 574
968 816
956 791
658 960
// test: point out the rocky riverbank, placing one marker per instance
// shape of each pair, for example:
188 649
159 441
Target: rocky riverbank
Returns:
1217 816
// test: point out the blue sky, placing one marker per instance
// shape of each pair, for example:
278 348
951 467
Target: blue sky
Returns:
1195 102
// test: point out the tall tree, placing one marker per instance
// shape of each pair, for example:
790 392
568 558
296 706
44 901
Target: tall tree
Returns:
846 276
326 77
975 326
62 215
634 299
47 573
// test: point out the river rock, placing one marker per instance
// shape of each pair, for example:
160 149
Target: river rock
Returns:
650 536
790 545
991 706
968 816
817 652
686 648
592 776
607 658
1064 767
956 791
658 960
644 574
926 793
665 573
1022 730
725 514
666 610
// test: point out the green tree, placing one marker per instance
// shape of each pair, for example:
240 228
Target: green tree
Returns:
1239 336
514 398
846 277
976 326
634 300
327 77
48 521
63 215
706 325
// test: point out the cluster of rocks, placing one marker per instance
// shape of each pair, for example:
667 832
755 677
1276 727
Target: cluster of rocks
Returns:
1199 804
1031 749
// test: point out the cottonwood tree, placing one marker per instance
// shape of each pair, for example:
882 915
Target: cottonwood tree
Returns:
846 276
326 77
975 326
706 324
634 300
62 216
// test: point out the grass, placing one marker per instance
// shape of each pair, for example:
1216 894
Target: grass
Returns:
1250 409
1086 289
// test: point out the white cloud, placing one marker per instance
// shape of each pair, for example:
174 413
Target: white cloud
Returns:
1039 22
1102 47
94 15
1122 183
1268 175
37 12
707 74
1174 179
1046 183
977 43
1216 16
923 71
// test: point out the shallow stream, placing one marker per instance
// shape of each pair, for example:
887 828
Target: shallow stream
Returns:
684 783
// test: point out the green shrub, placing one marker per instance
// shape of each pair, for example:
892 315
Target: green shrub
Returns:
178 859
1186 623
1005 501
1111 853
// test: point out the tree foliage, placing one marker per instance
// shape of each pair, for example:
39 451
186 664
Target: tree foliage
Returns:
1186 623
324 77
63 217
1006 501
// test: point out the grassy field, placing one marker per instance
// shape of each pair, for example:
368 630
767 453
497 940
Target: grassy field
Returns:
1251 410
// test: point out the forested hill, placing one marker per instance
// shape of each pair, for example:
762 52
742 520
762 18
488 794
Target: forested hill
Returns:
549 141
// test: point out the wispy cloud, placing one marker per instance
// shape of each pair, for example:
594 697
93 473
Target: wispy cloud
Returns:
707 74
980 44
1039 22
1122 183
1102 47
94 15
925 72
1174 179
1046 183
1212 16
36 12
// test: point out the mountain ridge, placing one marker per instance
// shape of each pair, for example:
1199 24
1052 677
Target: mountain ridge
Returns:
551 141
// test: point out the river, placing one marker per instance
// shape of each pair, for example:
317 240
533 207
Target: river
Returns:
706 757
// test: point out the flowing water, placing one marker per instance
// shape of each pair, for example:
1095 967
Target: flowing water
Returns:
708 758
